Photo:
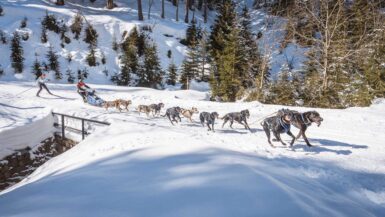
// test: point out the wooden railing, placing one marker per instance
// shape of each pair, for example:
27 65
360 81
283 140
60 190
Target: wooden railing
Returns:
83 120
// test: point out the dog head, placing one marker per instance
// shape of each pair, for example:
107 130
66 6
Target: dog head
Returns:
214 115
161 105
178 109
315 117
129 102
194 110
245 113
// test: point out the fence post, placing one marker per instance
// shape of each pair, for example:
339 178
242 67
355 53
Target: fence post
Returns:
62 127
83 133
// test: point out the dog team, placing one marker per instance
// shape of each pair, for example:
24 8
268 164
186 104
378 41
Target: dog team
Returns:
277 125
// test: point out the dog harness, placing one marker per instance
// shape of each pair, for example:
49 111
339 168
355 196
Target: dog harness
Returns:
284 125
303 119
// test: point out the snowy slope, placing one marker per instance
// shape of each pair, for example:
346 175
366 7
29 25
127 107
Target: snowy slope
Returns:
108 23
143 166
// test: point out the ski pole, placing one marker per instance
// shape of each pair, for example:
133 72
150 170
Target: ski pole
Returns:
24 91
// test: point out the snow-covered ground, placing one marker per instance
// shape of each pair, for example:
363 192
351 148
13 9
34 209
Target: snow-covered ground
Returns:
143 166
112 23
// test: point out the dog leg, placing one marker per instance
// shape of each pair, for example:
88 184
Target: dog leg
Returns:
292 136
267 131
278 136
208 125
231 124
212 126
306 140
224 123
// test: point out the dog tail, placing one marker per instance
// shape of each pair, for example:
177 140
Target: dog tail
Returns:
164 115
222 117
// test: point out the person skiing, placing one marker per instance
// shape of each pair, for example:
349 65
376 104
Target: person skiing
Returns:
83 89
41 84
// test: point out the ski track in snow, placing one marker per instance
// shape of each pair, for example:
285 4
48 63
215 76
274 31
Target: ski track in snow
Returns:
143 166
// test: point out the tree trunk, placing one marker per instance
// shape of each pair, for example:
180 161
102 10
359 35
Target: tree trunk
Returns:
205 11
187 11
162 9
110 4
177 10
59 2
140 10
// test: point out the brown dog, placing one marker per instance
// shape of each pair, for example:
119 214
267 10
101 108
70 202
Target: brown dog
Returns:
124 103
188 113
144 109
110 104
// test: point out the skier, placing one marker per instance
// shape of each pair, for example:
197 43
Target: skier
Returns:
41 84
83 89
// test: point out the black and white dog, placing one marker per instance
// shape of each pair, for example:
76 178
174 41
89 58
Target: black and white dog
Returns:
173 113
278 124
209 119
240 117
302 121
156 108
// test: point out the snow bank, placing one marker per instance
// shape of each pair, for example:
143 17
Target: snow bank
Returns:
23 127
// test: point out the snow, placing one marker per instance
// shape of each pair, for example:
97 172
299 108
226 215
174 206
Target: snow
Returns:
143 166
108 23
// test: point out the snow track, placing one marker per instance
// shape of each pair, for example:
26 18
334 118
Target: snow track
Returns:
143 166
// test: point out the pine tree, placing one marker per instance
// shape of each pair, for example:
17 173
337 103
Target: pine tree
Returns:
50 23
115 45
172 74
70 76
43 37
63 37
53 63
130 65
23 22
3 38
17 52
190 68
193 34
252 59
91 36
91 58
36 68
1 11
76 26
227 57
150 74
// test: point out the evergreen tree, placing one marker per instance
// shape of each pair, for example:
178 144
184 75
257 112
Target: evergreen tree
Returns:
227 57
63 36
3 38
91 58
252 59
115 45
43 37
53 63
150 74
91 36
193 34
36 68
190 68
17 52
129 65
49 22
172 74
1 11
76 26
70 76
23 22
